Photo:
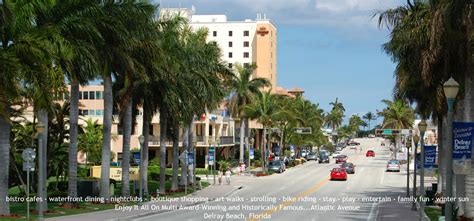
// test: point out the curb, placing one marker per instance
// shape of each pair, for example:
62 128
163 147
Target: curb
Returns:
165 211
423 213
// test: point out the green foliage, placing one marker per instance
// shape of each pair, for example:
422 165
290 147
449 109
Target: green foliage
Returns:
90 142
397 115
223 165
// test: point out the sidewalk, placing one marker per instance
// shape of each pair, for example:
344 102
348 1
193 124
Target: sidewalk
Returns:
202 196
397 211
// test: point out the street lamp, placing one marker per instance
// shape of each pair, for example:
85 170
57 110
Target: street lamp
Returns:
422 127
451 89
41 172
194 166
141 140
252 140
416 139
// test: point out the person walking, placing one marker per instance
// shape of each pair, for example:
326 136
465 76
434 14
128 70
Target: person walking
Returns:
227 176
219 176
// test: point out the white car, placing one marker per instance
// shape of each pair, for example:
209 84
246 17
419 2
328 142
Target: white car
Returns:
336 154
393 165
353 146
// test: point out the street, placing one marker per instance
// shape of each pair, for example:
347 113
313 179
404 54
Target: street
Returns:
306 193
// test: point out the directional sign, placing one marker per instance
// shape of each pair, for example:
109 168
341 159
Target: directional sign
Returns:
251 153
183 156
388 132
190 158
136 157
28 166
303 130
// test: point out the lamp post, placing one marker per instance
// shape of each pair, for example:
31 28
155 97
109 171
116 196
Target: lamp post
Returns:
422 127
451 88
141 140
408 168
194 166
252 140
416 139
41 173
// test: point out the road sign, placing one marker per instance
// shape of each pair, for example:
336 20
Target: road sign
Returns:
28 154
387 132
183 156
211 155
28 166
303 130
190 158
251 153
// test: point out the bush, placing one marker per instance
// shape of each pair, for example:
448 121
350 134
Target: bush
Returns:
57 193
154 162
62 185
223 165
83 172
257 163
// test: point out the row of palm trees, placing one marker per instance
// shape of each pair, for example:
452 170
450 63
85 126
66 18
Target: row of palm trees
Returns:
430 42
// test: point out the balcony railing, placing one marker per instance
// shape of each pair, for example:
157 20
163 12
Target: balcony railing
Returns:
200 140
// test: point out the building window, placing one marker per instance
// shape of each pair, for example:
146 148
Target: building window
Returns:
230 33
119 129
98 95
85 112
92 95
246 33
214 33
230 54
150 129
99 112
86 95
230 65
66 95
246 44
246 54
246 65
80 95
80 112
230 44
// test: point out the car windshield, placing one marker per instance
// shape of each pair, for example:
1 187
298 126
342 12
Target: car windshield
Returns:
337 170
274 163
393 162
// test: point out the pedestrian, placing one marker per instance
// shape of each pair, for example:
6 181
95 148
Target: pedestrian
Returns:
227 176
242 167
219 176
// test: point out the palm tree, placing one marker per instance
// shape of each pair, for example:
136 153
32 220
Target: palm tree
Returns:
335 117
397 115
243 88
369 116
90 141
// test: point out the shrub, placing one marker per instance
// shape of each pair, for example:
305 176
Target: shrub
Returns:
57 193
154 162
223 165
62 185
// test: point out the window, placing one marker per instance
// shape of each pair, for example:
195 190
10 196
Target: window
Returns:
80 112
66 96
246 44
230 33
98 95
246 65
99 112
92 112
246 54
230 54
92 95
150 129
86 95
230 65
80 95
246 33
230 44
85 112
214 33
119 129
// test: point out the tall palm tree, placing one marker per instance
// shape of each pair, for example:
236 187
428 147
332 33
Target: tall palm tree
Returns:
369 116
243 88
397 115
335 117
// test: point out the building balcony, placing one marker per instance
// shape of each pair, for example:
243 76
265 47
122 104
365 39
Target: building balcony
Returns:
200 141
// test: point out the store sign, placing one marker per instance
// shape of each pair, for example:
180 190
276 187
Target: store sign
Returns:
116 173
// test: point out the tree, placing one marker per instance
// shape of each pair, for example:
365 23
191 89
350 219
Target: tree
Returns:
335 117
243 88
90 141
397 115
369 116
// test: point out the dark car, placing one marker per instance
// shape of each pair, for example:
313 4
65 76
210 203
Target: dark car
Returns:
341 159
276 166
349 167
323 158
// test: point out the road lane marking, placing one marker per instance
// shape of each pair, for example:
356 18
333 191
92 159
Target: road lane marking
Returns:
297 198
374 212
381 179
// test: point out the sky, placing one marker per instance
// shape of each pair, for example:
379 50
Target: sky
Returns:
329 48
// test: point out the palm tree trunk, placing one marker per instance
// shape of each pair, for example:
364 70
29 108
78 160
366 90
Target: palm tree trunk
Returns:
184 169
440 154
242 135
163 129
43 118
264 149
469 112
144 151
459 188
4 162
191 147
73 135
127 132
174 185
107 127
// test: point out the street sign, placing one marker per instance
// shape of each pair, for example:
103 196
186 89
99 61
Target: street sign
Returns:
462 147
387 132
182 157
28 154
211 155
28 166
136 157
190 158
303 130
430 159
251 153
292 150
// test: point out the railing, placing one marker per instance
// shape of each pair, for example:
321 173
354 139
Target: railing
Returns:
200 140
227 140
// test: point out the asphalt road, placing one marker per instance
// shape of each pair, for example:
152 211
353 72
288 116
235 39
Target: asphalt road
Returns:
306 193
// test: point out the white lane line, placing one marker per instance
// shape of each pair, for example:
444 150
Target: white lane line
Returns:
381 179
374 212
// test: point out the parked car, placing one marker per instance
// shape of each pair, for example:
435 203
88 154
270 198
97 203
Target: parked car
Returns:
304 153
323 158
311 156
349 167
341 159
276 166
393 165
370 153
336 154
338 174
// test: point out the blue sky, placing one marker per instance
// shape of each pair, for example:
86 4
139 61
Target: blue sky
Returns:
329 48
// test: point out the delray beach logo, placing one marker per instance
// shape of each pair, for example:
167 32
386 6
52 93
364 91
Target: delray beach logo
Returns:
462 147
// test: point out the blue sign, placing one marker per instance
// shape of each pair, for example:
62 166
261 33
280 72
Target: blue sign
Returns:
251 153
190 158
211 155
430 157
462 147
136 157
